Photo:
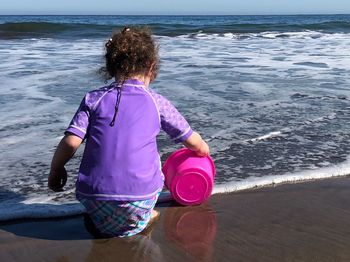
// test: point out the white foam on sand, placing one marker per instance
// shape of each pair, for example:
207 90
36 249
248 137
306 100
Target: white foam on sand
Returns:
45 207
342 169
38 208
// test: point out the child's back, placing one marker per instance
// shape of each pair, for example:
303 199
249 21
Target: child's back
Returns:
121 160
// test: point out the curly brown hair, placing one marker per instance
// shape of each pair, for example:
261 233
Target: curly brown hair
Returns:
131 52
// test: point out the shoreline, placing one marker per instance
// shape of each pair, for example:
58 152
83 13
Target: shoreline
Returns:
303 221
287 182
166 199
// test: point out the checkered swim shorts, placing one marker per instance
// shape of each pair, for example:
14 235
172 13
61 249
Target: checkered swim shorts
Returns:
119 218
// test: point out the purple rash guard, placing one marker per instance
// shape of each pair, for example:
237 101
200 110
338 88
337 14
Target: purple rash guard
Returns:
121 162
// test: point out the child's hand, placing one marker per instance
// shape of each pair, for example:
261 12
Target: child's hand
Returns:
197 144
57 179
203 150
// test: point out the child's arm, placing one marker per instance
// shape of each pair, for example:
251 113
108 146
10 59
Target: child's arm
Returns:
176 126
64 152
197 144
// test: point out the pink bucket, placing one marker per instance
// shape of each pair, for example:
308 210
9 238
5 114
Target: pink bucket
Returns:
190 178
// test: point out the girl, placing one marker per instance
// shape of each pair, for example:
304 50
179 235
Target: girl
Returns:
120 174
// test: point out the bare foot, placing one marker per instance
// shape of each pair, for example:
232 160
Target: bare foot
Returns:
154 216
148 229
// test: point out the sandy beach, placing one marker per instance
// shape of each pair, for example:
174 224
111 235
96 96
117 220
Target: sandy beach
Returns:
307 221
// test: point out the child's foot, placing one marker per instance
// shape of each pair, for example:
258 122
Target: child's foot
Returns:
149 228
154 216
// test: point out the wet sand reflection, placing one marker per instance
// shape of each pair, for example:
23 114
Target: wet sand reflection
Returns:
192 229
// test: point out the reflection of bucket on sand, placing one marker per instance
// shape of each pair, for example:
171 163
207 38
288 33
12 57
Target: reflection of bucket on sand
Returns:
192 229
189 178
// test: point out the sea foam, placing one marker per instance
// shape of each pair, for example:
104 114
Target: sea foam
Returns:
342 169
45 207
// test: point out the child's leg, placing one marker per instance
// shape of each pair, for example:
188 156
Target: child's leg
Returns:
119 218
90 227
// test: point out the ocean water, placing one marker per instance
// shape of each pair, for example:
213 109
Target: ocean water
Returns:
270 93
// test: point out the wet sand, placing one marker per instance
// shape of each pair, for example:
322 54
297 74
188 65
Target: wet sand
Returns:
307 221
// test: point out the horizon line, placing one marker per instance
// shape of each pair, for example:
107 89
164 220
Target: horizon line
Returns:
259 14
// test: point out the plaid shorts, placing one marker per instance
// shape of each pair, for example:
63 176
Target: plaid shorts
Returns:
119 218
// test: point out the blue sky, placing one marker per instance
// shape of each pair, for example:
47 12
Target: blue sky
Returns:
129 7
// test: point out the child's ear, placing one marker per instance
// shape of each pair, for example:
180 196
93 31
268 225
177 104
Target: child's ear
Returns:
152 73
